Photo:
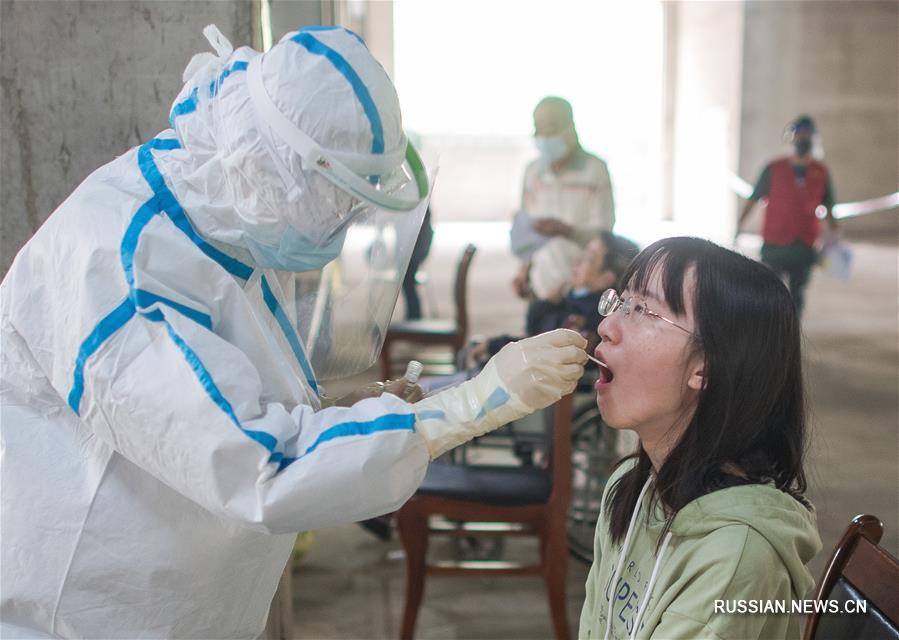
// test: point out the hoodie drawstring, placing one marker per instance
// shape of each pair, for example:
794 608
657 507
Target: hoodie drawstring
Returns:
620 566
624 549
651 585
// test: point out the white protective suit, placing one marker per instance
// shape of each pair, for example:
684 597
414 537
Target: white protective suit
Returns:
162 437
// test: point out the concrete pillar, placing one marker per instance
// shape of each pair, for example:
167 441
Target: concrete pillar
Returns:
372 20
669 99
81 83
838 61
706 95
289 15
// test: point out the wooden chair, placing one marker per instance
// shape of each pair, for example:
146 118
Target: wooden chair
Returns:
428 331
859 571
477 501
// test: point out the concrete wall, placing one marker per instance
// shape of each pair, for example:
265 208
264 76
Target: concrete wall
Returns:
83 82
838 61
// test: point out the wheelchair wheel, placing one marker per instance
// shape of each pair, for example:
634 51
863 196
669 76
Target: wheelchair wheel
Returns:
592 457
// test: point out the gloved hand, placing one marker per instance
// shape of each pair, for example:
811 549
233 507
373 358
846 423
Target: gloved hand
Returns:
523 377
401 388
411 392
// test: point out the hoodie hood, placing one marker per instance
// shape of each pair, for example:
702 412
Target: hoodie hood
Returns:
788 526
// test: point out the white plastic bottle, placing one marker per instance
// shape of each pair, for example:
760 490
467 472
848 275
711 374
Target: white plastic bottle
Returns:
413 372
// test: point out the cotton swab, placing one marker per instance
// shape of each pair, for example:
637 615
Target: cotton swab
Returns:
599 362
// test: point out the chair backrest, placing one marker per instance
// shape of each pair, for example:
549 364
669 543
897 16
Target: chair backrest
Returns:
460 291
859 571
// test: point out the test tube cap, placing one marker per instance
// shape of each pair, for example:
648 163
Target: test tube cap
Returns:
413 371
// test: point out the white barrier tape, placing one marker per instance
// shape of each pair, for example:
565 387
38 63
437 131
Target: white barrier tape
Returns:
846 209
842 210
739 186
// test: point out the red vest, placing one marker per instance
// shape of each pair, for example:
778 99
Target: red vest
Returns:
790 212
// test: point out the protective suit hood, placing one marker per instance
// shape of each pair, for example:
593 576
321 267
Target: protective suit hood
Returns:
227 177
295 160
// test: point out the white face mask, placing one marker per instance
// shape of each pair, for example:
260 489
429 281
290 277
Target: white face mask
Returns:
551 148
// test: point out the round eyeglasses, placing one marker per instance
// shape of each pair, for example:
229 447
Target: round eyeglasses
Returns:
610 302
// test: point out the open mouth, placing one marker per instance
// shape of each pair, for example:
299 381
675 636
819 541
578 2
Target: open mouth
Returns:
605 374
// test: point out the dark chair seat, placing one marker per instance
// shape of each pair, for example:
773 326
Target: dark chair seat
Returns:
495 485
429 326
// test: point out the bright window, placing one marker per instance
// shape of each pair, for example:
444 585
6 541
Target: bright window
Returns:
470 73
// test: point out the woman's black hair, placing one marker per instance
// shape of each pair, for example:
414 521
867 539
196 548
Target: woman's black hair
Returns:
749 422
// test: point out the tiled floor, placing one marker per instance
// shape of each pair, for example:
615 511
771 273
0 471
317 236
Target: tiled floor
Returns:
351 585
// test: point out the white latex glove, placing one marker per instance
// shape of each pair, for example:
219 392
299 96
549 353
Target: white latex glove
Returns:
525 376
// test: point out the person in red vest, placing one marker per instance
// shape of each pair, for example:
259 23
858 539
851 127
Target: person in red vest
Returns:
794 188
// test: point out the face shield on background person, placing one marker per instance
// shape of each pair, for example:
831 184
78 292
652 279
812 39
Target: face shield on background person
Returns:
802 136
327 190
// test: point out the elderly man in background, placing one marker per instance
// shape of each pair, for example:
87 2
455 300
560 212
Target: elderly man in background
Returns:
567 196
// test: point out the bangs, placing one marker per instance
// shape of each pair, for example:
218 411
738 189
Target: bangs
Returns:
670 258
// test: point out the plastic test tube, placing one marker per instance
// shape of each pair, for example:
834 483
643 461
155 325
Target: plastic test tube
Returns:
413 371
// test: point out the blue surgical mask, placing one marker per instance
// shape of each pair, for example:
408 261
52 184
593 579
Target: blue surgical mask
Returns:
295 251
551 148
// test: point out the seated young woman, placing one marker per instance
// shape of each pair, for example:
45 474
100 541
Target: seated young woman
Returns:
704 364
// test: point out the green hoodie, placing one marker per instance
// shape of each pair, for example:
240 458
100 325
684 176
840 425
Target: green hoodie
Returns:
748 543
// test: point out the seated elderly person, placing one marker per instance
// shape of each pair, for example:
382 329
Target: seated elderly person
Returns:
574 304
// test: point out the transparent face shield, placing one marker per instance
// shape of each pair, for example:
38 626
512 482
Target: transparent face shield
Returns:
803 140
342 312
338 228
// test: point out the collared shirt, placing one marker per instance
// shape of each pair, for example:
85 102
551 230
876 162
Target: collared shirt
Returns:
579 195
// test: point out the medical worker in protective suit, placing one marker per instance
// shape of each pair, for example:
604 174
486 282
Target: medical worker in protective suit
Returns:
166 332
